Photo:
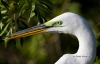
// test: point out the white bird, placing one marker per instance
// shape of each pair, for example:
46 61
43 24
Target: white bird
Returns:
68 23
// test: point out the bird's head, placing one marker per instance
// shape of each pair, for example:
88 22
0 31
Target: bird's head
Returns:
60 24
42 28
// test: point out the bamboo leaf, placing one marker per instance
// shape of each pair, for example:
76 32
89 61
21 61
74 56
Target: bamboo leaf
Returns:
5 4
22 7
39 17
22 18
32 11
44 18
0 15
1 25
48 2
3 11
31 15
26 26
10 31
4 29
5 42
44 7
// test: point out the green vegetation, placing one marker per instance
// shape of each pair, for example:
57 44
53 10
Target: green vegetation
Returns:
17 15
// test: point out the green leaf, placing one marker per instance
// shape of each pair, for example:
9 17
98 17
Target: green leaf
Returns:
44 7
44 18
32 11
21 17
5 4
0 15
48 2
26 26
3 11
5 42
1 25
22 7
47 6
39 16
4 29
10 31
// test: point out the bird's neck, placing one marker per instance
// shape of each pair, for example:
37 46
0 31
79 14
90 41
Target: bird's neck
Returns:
87 43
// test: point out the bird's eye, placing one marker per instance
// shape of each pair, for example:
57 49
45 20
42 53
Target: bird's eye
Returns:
57 23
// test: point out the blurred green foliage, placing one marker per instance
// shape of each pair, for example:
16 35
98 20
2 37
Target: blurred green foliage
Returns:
16 15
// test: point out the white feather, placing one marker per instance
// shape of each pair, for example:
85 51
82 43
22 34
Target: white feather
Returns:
78 26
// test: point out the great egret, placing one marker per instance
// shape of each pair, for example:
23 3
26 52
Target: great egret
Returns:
67 23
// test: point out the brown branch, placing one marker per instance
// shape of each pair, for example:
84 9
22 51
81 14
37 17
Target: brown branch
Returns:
65 6
57 44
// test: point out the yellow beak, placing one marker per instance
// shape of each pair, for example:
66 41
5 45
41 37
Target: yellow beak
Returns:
27 32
